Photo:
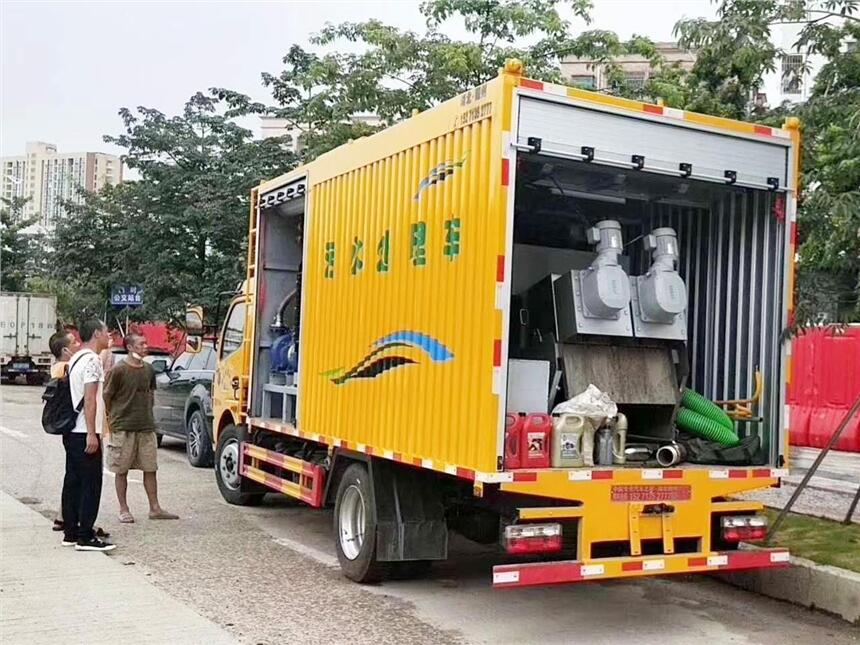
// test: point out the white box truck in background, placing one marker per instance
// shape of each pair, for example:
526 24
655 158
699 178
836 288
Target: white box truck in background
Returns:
27 321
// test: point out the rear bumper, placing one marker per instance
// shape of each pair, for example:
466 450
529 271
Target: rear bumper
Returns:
566 571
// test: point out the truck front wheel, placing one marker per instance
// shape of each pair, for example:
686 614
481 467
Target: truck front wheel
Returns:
234 489
355 527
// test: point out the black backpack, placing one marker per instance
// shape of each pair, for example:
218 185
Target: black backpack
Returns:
59 415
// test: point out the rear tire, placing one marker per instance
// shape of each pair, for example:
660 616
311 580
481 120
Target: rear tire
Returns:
355 527
234 489
198 445
159 438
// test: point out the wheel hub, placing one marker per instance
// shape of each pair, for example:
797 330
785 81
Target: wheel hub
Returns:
352 522
228 465
194 437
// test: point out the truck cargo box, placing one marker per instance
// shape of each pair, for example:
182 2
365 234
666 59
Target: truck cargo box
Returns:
413 250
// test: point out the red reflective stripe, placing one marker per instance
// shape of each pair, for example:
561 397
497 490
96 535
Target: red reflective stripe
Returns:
541 574
497 353
417 461
506 171
793 233
673 474
547 573
763 129
761 472
737 474
751 560
500 268
653 109
601 474
465 473
525 477
529 83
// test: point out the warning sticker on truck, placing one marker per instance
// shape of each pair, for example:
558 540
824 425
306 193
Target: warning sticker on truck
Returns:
650 493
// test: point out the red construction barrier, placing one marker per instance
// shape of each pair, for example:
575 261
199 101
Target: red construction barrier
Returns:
825 383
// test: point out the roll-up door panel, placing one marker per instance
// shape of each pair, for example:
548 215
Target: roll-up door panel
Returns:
566 127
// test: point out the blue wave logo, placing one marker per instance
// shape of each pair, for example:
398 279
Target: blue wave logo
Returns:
386 354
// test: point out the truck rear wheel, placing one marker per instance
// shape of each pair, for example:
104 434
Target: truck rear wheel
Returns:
234 489
355 527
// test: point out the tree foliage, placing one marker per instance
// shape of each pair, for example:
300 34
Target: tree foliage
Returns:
180 231
395 72
20 250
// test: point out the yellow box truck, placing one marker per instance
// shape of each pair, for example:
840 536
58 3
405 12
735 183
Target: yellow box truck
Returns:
419 302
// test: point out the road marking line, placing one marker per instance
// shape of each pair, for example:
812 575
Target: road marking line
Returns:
13 433
321 557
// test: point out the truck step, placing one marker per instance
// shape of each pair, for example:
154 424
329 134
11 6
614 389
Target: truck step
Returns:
311 477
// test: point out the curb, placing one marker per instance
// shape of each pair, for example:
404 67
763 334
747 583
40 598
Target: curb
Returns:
805 583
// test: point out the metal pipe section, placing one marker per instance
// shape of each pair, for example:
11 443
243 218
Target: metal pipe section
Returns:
671 454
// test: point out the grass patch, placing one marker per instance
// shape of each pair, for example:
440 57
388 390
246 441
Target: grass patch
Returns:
822 541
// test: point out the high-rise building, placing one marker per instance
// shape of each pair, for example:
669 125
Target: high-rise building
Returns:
49 178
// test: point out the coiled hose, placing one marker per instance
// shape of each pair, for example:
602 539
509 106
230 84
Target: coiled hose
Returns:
704 419
704 427
697 403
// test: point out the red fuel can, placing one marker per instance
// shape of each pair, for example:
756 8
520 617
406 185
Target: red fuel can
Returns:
514 424
535 444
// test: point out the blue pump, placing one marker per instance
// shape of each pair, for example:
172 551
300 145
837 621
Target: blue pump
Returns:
284 354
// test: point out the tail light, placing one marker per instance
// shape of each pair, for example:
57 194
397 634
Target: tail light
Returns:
532 538
744 528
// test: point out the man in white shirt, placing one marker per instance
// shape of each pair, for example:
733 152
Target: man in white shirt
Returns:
82 486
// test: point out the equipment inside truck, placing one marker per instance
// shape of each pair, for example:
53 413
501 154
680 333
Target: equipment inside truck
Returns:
645 285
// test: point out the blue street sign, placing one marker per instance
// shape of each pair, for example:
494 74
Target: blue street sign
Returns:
126 295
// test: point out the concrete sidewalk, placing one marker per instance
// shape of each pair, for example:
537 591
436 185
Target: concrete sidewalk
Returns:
54 594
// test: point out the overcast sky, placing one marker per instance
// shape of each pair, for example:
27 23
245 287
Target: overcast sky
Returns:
67 67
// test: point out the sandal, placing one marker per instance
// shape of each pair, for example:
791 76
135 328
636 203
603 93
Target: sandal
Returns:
126 518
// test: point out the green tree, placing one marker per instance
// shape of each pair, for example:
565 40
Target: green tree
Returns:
20 250
733 53
396 71
180 231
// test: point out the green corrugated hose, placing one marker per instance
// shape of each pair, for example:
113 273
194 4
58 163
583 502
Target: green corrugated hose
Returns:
704 427
697 403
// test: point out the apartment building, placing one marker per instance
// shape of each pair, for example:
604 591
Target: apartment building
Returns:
592 75
49 178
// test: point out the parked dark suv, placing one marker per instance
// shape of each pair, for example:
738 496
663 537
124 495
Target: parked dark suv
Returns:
183 403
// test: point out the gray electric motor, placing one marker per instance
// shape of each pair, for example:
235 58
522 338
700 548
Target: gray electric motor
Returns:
660 296
596 300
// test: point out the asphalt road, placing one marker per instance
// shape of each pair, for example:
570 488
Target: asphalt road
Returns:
269 574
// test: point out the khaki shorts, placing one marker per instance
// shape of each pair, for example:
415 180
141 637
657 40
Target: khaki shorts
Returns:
132 451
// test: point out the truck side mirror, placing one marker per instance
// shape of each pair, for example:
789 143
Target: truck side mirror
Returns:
194 329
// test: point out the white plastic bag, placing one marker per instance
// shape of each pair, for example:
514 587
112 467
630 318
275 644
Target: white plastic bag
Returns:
592 403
